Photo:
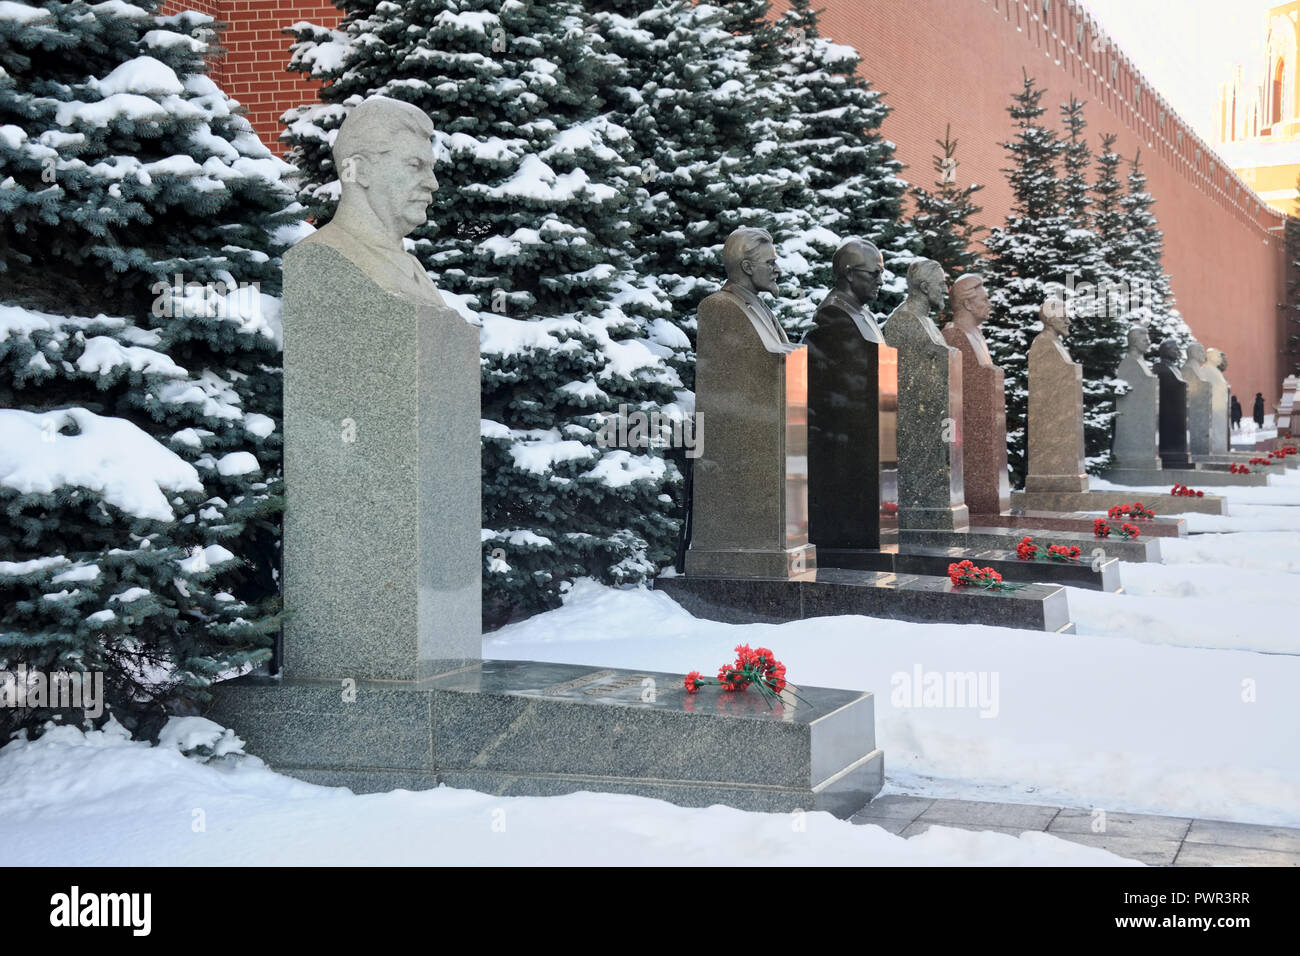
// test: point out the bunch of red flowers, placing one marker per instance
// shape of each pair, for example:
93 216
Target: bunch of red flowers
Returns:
1135 510
1026 550
1237 469
1261 461
889 507
965 574
1182 491
1102 530
757 666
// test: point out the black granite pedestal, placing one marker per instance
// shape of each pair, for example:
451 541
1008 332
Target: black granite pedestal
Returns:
835 591
529 728
1095 573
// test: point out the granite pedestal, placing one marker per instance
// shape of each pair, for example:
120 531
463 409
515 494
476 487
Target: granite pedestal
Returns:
1208 477
1085 572
1101 500
524 728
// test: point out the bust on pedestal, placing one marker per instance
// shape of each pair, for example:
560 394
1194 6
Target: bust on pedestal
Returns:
1201 420
930 495
984 404
1137 419
1056 450
843 407
1173 407
749 509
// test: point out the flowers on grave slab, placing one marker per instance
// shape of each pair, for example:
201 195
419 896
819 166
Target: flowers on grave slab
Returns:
889 507
1126 530
757 666
1135 510
1263 461
1026 550
964 574
1237 469
1182 491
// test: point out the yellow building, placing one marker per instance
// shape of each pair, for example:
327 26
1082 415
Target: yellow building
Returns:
1258 121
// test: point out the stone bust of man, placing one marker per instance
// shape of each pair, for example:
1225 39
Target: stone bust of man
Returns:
859 268
1220 359
1195 356
749 258
1139 343
1170 354
927 292
384 158
970 308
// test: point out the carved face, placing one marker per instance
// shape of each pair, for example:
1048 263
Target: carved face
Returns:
975 303
762 269
865 277
1139 340
1196 352
1055 317
1170 352
399 183
1223 362
934 286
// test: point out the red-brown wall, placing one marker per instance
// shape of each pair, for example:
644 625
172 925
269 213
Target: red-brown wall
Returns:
957 62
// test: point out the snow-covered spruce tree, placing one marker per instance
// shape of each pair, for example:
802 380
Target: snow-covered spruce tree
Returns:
139 389
698 88
942 217
1097 339
854 184
530 233
1151 296
1027 260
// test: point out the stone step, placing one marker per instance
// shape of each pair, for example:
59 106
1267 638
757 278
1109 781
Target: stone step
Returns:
902 597
1161 526
1140 550
1195 478
520 728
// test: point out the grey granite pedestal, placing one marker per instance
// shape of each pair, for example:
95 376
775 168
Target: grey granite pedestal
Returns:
1050 522
1162 504
836 591
1215 477
914 559
1144 549
524 728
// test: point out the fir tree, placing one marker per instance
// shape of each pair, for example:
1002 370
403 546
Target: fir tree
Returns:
1150 295
853 181
943 218
139 388
530 232
1028 258
1097 339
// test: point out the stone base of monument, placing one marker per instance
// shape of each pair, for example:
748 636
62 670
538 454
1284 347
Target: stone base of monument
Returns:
1036 522
1143 549
913 559
527 728
1243 458
829 592
1065 501
1196 478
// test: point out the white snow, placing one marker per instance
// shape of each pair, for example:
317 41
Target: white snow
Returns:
109 455
21 12
144 74
238 463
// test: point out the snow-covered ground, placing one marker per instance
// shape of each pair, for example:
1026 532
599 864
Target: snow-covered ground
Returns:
1177 696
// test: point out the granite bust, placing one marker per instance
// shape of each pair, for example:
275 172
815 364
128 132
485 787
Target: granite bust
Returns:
930 490
749 258
384 157
1056 449
1138 410
843 409
1173 406
984 404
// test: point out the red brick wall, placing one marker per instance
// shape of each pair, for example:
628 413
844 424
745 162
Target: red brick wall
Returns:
959 61
252 69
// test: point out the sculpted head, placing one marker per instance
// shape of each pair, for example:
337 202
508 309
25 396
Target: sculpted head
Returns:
749 257
1170 352
1196 353
859 268
385 161
1217 359
970 300
1055 317
925 277
1139 340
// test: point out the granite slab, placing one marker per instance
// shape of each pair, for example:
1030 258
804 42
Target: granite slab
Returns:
1099 575
537 728
1104 500
837 591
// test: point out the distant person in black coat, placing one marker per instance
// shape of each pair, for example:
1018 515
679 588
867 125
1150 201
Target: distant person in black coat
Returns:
1259 409
1236 412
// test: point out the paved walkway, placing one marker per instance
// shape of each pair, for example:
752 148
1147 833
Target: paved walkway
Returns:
1159 841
